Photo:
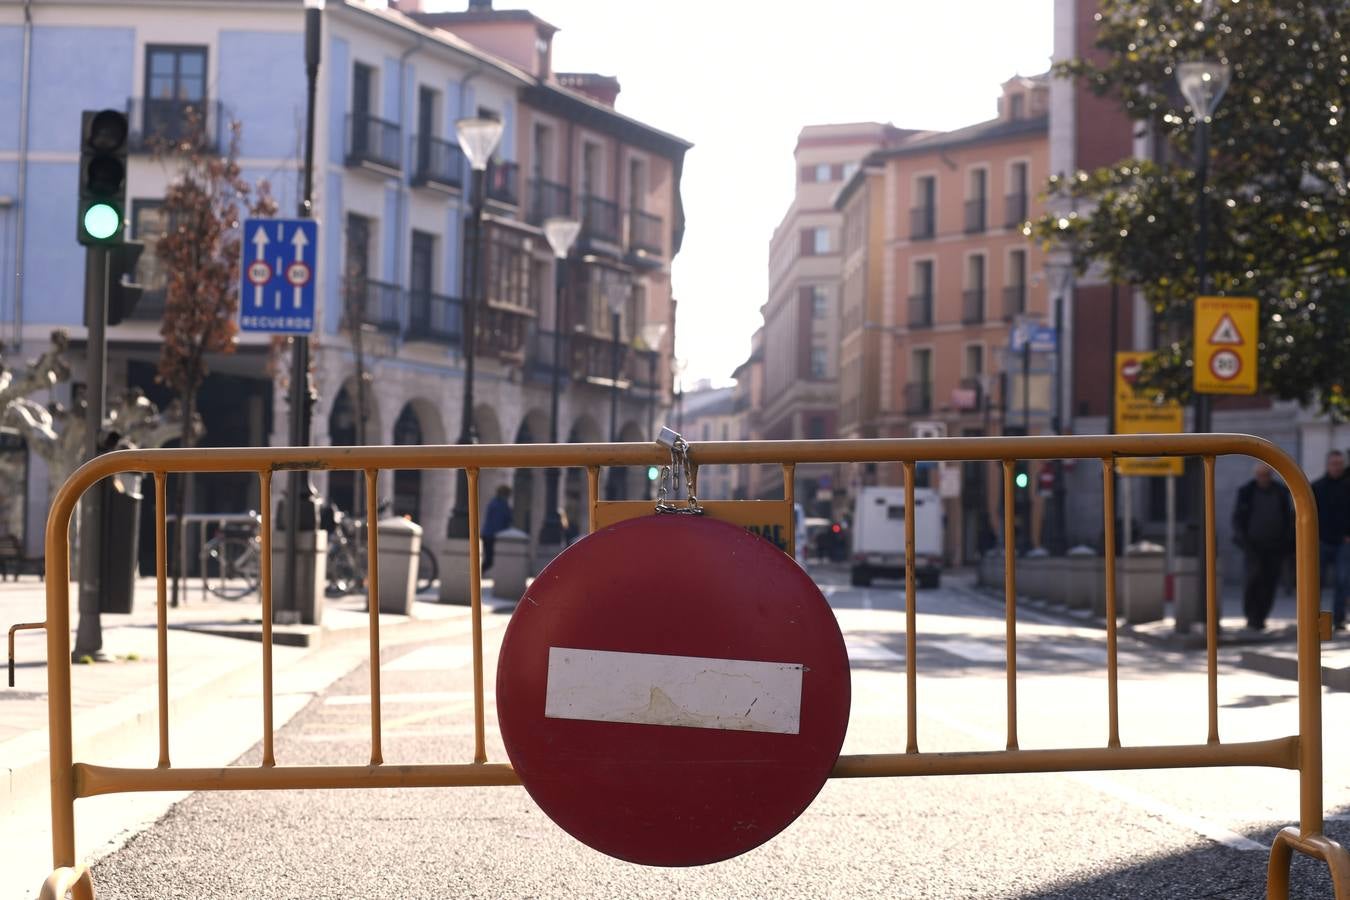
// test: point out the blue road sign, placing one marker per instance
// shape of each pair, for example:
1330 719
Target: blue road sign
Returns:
1042 338
276 279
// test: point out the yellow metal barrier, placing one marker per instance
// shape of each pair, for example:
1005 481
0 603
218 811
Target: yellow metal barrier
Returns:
1302 751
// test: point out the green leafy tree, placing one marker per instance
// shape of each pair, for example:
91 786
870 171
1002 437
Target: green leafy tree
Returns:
199 251
1278 199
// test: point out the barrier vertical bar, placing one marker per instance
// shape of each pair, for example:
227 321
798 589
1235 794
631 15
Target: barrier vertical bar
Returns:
265 589
592 494
373 607
1010 596
1309 598
790 497
1109 557
58 680
162 617
911 604
476 604
1211 603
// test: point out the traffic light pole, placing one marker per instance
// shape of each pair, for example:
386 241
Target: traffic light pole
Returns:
298 488
89 632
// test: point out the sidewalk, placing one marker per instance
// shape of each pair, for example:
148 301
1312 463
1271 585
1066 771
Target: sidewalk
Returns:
114 705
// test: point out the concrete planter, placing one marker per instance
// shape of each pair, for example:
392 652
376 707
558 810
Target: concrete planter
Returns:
1032 574
455 572
311 576
400 543
510 564
1141 586
1083 571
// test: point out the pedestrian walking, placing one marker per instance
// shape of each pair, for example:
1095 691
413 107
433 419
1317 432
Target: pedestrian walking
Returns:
1332 491
1263 526
497 520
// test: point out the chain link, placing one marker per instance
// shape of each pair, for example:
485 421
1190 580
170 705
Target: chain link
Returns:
680 466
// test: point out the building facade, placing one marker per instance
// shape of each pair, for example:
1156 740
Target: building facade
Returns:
392 192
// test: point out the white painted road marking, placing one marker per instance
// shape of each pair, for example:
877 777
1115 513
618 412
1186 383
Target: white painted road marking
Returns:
866 651
431 659
973 651
422 697
684 691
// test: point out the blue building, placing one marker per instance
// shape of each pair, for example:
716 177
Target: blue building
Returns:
391 195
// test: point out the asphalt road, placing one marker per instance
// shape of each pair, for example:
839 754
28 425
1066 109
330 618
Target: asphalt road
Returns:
1162 834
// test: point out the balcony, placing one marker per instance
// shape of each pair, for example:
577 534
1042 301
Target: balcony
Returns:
373 142
503 183
922 223
437 163
435 318
1015 209
502 331
918 398
159 126
1014 301
921 311
599 220
969 396
377 304
547 200
972 306
975 215
644 232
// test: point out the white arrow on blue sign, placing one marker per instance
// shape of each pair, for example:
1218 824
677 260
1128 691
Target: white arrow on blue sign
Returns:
1042 338
276 279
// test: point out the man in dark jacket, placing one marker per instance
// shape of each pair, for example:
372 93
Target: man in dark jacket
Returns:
1332 491
497 520
1263 526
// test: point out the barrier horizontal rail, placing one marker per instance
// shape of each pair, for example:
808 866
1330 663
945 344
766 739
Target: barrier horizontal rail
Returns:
1301 752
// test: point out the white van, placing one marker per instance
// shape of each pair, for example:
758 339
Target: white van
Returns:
879 536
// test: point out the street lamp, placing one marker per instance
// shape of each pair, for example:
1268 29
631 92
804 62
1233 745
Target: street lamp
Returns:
615 295
1203 84
301 398
561 234
478 138
650 337
1059 273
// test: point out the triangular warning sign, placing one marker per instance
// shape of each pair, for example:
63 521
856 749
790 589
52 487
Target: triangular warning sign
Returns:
1225 332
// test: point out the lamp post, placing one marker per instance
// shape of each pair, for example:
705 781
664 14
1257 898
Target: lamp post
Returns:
1060 276
561 234
1203 84
651 335
615 296
478 138
301 398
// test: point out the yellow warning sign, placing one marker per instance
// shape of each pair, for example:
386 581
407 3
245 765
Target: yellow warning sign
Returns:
1225 345
1138 412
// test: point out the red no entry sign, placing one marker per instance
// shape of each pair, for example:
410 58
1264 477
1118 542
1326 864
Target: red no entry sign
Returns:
673 691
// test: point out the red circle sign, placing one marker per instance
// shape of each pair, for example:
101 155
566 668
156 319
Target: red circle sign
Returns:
1130 369
673 691
1225 364
297 273
259 272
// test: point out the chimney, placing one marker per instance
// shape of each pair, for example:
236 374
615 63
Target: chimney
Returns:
480 5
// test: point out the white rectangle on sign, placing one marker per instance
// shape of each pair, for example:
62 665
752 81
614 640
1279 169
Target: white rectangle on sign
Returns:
683 691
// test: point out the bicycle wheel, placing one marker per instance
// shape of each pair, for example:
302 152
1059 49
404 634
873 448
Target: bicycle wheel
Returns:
427 570
231 568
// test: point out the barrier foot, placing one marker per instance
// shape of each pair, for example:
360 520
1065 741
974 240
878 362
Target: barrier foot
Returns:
75 881
1318 846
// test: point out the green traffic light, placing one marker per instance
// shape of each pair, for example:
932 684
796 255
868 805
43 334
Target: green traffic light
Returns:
1022 479
101 221
653 473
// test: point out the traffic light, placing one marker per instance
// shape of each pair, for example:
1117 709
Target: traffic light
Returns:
653 473
1020 477
123 290
103 177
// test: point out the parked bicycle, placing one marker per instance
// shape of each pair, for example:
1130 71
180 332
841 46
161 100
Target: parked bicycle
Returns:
231 559
347 554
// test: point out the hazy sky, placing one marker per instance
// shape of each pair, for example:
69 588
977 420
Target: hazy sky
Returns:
739 78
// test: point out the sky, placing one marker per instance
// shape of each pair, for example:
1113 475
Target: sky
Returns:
739 79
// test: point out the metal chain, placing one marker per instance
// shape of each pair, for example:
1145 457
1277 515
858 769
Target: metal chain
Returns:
680 465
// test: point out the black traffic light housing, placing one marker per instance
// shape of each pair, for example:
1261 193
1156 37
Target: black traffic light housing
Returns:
103 177
123 290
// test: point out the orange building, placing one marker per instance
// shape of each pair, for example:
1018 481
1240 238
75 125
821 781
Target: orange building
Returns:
937 274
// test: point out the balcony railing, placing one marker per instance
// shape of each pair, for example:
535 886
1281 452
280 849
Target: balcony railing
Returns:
548 199
1014 301
1015 209
918 398
589 357
922 223
435 318
644 232
503 184
975 215
599 219
377 304
162 125
373 141
921 311
969 396
972 306
437 162
502 330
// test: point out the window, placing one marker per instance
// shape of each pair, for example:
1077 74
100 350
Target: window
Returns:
428 102
543 149
1015 289
637 184
815 427
819 362
423 259
1017 195
363 93
509 270
358 248
849 169
822 172
820 303
1018 178
977 193
923 214
726 432
175 81
148 225
923 278
975 272
1018 104
590 169
707 431
974 361
815 241
921 368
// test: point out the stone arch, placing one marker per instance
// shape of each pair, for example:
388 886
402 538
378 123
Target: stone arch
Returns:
527 485
573 492
422 495
345 489
630 482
